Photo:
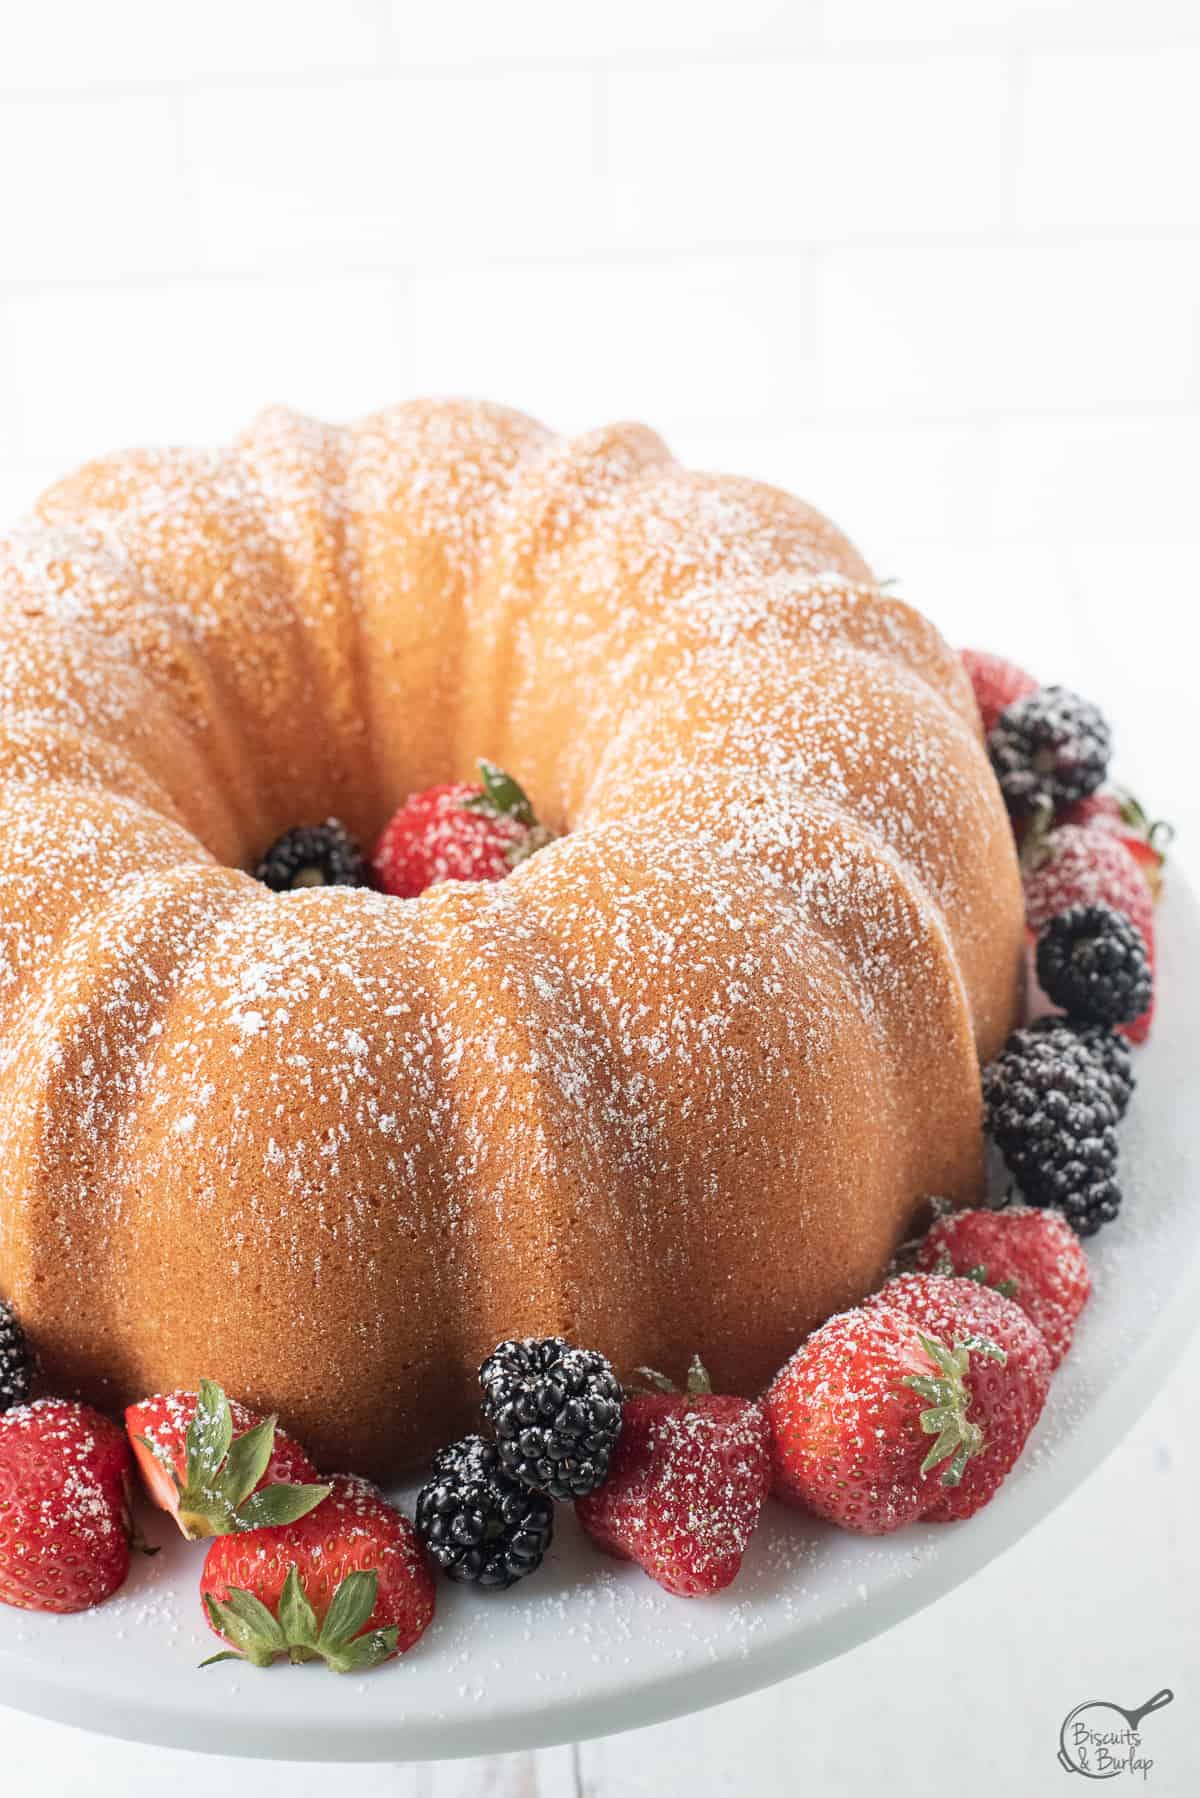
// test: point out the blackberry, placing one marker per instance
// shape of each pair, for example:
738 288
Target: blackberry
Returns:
16 1361
1093 962
477 1524
1052 1111
313 855
1110 1050
1087 1196
556 1411
1049 750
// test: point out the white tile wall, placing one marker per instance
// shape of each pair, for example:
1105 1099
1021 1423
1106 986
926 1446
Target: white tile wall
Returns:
819 148
938 262
77 44
1112 141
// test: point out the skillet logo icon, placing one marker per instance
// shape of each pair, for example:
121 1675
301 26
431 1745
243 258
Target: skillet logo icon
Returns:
1100 1739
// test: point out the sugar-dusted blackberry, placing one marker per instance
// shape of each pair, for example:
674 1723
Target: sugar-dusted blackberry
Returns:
1048 750
556 1411
1111 1050
16 1360
1052 1113
313 855
1093 962
1086 1192
479 1525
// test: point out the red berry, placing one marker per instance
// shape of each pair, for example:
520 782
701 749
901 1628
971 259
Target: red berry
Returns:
64 1506
997 683
202 1457
854 1437
1120 813
347 1584
1007 1392
457 832
1034 1257
685 1487
1086 865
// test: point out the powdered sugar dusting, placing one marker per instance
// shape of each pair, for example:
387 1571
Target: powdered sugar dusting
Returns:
696 1040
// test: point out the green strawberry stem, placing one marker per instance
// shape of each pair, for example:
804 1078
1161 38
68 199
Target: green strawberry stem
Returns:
504 797
1007 1289
217 1495
957 1437
260 1637
698 1383
1156 831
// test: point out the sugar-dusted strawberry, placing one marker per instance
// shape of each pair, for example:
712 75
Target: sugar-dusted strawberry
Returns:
215 1466
457 832
1147 839
1007 1382
996 682
685 1485
1075 864
64 1506
1033 1257
346 1584
853 1412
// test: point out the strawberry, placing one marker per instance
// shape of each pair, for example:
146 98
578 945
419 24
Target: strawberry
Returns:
852 1413
346 1584
457 832
1075 864
1007 1386
685 1485
996 682
1146 839
64 1506
212 1482
1033 1257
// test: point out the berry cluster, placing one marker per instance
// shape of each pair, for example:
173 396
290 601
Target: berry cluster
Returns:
1092 866
486 1515
312 1570
457 831
917 1403
674 1481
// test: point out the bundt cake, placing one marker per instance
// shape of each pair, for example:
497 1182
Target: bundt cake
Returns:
680 1082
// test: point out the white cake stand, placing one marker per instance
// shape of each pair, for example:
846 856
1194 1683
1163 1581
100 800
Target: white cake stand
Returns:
589 1647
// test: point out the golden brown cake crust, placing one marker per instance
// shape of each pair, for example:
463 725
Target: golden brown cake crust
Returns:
679 1083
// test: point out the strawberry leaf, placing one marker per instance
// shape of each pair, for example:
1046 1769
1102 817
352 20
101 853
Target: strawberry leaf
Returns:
366 1651
209 1435
296 1615
658 1382
247 1461
276 1505
502 796
349 1610
254 1618
246 1622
